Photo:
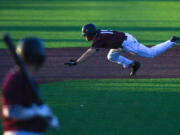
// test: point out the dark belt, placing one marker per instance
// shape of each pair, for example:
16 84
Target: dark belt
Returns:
125 37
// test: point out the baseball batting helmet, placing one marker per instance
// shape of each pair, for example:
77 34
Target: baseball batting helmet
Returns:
31 50
89 30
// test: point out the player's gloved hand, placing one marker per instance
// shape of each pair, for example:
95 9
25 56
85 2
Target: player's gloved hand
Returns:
71 63
45 112
53 122
42 110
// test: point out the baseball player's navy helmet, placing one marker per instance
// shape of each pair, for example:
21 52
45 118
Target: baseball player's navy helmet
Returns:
89 30
31 50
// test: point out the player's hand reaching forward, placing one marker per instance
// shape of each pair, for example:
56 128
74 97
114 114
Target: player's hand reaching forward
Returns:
71 63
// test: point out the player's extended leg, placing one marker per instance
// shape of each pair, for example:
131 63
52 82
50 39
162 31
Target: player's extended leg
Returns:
114 55
133 46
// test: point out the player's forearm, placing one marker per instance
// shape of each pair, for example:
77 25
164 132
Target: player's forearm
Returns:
22 113
18 112
86 55
83 58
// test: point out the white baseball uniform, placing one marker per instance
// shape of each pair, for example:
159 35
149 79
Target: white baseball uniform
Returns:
133 46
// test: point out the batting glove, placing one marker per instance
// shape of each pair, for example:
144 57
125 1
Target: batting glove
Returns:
71 63
53 122
42 110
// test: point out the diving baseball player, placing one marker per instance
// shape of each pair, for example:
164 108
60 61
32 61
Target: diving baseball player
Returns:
118 42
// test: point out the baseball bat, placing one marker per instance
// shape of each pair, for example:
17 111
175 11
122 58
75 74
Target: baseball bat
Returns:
11 48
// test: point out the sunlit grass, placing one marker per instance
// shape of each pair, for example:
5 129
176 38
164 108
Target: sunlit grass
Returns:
60 22
138 106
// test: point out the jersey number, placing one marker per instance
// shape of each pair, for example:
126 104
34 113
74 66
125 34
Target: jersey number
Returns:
106 32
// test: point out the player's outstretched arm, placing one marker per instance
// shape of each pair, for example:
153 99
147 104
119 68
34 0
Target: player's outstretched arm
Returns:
86 55
82 58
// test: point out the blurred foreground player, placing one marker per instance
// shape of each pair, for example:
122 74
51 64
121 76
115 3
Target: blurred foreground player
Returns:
22 112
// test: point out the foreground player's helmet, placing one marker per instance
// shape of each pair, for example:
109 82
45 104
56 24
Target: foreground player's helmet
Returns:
31 50
89 30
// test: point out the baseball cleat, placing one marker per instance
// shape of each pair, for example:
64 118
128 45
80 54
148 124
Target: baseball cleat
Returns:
134 67
175 39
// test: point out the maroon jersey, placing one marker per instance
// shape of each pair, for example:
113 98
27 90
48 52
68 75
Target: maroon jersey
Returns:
16 91
108 39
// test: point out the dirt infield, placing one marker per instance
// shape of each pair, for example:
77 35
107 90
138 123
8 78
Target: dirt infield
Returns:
166 65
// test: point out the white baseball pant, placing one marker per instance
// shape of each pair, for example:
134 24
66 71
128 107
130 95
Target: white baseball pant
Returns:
131 45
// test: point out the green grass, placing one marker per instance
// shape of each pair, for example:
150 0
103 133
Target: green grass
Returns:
102 107
115 107
59 22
